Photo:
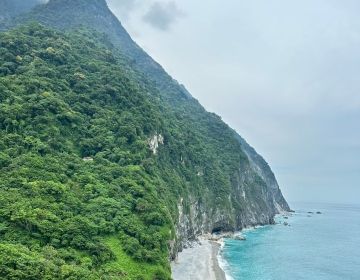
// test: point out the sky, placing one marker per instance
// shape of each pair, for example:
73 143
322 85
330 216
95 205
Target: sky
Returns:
285 74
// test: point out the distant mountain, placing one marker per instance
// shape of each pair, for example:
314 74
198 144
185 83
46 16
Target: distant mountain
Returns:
12 8
16 7
108 167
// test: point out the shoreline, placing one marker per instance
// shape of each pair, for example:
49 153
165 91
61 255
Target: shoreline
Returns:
219 272
199 262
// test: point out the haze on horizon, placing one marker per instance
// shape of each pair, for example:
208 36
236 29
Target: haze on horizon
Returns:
284 74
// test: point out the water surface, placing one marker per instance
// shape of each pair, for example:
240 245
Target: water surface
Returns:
315 246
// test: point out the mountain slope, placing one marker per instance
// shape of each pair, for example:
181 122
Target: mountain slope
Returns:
108 166
66 14
95 14
65 99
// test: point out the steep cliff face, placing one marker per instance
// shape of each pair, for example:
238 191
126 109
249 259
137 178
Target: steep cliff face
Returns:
138 121
261 167
255 198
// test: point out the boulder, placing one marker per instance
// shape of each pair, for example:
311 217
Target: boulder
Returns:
240 237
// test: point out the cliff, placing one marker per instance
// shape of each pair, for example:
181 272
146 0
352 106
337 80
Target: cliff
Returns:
115 165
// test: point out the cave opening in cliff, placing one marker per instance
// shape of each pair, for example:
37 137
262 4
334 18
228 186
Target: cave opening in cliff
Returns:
217 230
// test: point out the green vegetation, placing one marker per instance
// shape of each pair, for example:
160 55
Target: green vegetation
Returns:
81 194
61 101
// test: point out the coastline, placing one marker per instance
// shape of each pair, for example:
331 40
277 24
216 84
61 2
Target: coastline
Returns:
202 260
219 272
199 262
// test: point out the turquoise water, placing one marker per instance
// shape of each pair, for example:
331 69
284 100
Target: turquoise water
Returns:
321 247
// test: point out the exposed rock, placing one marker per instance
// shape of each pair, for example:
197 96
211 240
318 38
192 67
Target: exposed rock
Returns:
88 159
154 142
261 167
240 237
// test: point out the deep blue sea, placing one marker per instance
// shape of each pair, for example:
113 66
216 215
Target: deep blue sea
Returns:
313 247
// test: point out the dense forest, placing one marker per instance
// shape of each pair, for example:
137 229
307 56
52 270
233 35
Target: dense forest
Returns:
107 167
62 101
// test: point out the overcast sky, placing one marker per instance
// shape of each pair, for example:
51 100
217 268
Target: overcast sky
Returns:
285 74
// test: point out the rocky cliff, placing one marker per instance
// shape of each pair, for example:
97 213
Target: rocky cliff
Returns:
255 199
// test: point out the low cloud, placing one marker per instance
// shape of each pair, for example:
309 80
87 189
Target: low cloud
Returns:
162 15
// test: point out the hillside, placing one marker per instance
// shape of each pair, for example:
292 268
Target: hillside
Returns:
108 168
95 14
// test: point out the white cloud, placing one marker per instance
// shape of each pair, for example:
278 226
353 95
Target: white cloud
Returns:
162 15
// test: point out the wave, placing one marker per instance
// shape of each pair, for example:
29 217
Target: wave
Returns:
224 265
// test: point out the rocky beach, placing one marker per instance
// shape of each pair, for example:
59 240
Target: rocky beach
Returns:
198 262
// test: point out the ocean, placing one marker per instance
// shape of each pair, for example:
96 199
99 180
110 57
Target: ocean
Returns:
314 247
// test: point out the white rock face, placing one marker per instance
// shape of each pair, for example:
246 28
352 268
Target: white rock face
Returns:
243 194
155 141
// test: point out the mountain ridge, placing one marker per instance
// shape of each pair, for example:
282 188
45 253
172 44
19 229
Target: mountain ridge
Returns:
97 15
